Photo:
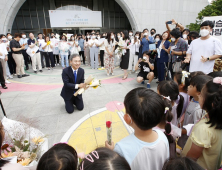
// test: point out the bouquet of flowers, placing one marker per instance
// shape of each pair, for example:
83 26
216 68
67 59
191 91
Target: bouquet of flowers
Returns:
119 51
25 143
90 82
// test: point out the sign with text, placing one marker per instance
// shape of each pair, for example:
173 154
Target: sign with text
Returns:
217 30
66 18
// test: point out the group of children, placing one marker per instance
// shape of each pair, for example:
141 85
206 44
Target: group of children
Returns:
159 121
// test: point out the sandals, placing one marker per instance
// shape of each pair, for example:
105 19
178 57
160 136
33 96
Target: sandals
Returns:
124 78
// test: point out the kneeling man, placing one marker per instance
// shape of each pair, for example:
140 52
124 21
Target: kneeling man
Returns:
73 79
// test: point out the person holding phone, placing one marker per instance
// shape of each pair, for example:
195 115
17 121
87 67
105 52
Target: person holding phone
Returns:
173 22
145 65
146 40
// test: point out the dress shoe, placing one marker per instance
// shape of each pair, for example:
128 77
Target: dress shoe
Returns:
40 71
4 87
25 75
27 68
35 72
19 76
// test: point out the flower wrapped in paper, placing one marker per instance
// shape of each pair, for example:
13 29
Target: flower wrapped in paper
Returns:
90 82
23 142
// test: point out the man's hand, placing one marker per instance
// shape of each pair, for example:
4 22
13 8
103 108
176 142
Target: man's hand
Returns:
23 47
173 52
107 145
82 85
203 59
187 59
140 59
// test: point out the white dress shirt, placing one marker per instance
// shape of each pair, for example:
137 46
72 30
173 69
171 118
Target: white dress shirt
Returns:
77 85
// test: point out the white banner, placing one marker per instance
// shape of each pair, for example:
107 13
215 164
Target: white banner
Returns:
217 30
66 18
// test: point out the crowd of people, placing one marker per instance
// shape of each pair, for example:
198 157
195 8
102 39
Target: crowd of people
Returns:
161 138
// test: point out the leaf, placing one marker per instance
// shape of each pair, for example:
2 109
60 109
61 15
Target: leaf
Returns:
26 141
26 147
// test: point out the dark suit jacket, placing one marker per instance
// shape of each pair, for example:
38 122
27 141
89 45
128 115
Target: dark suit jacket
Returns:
69 82
163 54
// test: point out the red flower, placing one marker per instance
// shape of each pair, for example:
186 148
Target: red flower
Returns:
108 124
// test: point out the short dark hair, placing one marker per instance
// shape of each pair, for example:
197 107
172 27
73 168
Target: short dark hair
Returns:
39 33
194 34
207 23
73 56
147 53
108 159
153 29
159 36
60 155
175 33
145 29
17 35
2 35
181 163
8 34
186 30
145 107
212 95
215 74
52 33
130 31
199 81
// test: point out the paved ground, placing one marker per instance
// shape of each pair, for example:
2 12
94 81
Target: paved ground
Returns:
37 99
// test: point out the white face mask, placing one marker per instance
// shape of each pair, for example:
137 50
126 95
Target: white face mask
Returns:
144 57
204 33
88 36
72 39
9 37
184 36
157 39
119 36
137 37
23 36
93 37
98 37
173 39
130 33
112 36
145 34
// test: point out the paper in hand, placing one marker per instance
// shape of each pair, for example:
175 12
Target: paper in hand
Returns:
189 128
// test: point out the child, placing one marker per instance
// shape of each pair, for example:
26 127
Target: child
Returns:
205 142
170 89
181 164
182 78
193 112
145 148
59 157
104 159
145 65
169 129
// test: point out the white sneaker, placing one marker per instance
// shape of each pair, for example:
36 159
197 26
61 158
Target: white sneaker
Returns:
7 82
57 64
112 74
10 76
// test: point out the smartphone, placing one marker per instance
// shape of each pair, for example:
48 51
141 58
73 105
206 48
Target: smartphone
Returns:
169 22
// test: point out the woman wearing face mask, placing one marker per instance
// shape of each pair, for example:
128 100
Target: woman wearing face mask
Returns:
93 43
48 50
157 38
125 57
185 34
177 50
74 45
109 53
134 52
102 49
162 55
64 51
86 49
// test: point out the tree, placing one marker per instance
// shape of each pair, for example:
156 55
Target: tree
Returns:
214 9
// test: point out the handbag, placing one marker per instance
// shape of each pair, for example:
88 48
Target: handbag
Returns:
218 65
168 75
177 66
79 48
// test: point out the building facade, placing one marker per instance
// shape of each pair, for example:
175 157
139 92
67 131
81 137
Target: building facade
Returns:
117 15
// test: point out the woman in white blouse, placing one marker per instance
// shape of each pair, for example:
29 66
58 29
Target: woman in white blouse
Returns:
109 53
86 48
48 53
64 51
74 45
94 49
134 52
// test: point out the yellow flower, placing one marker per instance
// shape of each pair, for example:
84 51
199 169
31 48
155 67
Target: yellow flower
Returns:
10 154
90 83
25 162
95 87
37 140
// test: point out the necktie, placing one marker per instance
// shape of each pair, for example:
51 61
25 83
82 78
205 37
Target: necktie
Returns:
75 76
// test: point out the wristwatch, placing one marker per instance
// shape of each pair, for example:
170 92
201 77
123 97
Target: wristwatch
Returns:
208 58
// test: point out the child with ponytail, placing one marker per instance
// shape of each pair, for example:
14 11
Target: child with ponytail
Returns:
205 142
170 90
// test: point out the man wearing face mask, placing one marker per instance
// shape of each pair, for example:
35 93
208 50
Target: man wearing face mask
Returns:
146 40
24 42
204 50
11 61
153 32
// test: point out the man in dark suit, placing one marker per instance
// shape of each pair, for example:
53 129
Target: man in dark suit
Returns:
73 79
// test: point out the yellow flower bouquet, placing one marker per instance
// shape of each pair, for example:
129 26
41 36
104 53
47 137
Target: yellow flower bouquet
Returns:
90 82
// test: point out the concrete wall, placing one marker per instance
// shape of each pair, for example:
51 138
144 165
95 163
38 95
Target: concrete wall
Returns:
141 13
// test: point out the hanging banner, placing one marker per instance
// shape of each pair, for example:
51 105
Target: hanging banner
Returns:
66 18
217 30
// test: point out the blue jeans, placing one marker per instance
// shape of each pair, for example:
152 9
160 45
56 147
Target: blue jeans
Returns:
66 58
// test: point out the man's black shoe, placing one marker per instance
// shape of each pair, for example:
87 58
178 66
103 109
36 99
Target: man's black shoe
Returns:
19 76
25 75
35 72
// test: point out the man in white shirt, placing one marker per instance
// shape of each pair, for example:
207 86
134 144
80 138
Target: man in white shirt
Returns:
41 42
203 51
24 42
